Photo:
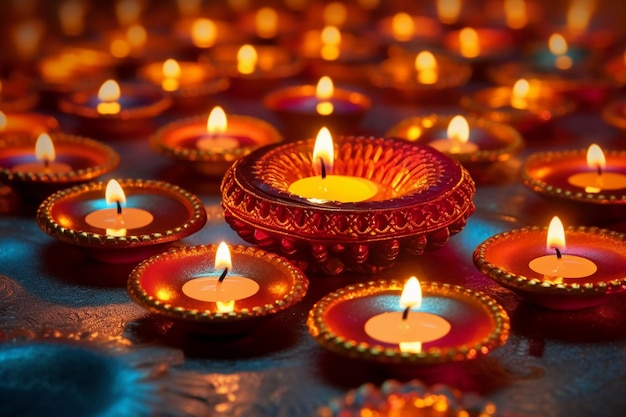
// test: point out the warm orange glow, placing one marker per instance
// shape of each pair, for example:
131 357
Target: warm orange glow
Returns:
579 15
225 306
368 4
515 13
3 121
426 67
557 44
331 39
136 36
217 121
469 44
171 74
595 157
164 294
119 48
71 17
44 148
402 26
556 235
335 13
189 7
26 36
324 91
519 94
222 257
114 193
324 150
448 10
128 11
458 129
266 22
246 59
411 294
410 347
296 4
108 94
203 33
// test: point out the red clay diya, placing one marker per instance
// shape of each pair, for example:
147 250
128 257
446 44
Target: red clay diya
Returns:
26 124
559 283
267 23
183 284
405 29
37 169
155 213
479 44
463 325
393 197
210 152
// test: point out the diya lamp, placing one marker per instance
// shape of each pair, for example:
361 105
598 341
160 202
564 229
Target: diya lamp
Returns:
198 34
253 69
121 221
526 105
348 16
355 205
210 145
191 84
267 24
425 75
36 168
403 31
214 293
563 269
26 124
16 96
374 322
116 109
476 143
304 108
479 46
590 181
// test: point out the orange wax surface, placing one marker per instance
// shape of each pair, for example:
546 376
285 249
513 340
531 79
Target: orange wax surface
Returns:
109 219
594 183
40 167
569 266
418 327
342 188
232 288
450 146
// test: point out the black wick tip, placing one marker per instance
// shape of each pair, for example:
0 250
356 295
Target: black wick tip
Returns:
599 170
119 207
323 168
405 313
224 273
46 163
558 253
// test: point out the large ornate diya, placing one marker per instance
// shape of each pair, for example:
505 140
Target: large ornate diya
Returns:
421 198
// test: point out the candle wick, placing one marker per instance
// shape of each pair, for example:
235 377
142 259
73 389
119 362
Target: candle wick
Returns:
223 275
46 163
405 313
599 170
119 207
558 253
323 168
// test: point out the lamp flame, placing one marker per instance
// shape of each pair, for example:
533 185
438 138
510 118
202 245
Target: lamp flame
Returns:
246 59
44 148
222 257
203 33
402 26
426 67
411 294
579 14
109 91
557 44
324 91
217 121
266 22
556 235
458 129
469 44
515 13
335 13
136 36
596 158
114 193
324 150
3 121
171 69
331 40
519 95
448 10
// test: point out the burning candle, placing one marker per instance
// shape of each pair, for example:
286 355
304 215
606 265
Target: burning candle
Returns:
203 33
519 94
247 58
426 67
402 26
116 221
457 142
327 187
45 155
558 48
406 329
171 75
561 265
448 11
330 37
217 137
323 92
597 180
469 43
108 95
266 22
223 288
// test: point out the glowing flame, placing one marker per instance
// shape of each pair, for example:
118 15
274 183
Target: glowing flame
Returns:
557 44
108 94
515 13
203 33
217 121
411 294
335 13
114 193
246 59
44 148
410 347
331 40
556 235
469 44
579 14
323 150
222 257
3 121
402 26
225 306
519 95
426 67
324 91
596 158
448 10
171 68
119 48
136 36
266 22
71 17
458 129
